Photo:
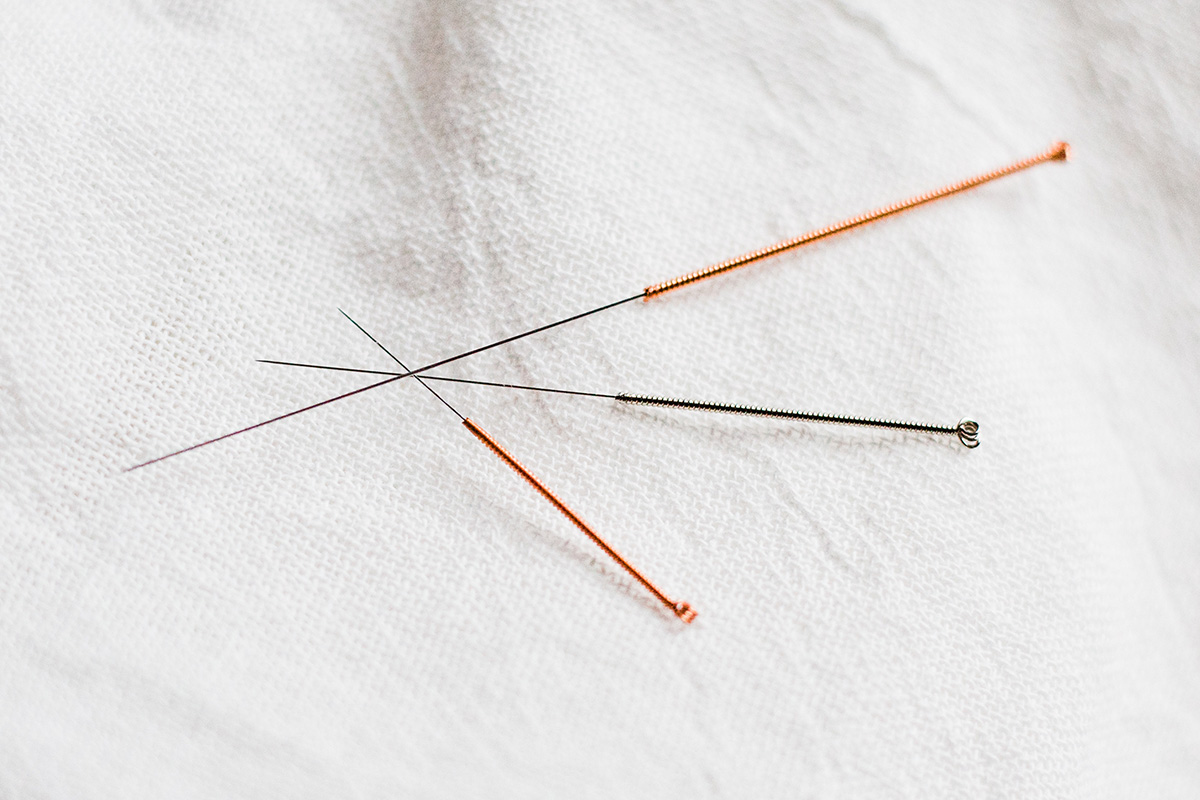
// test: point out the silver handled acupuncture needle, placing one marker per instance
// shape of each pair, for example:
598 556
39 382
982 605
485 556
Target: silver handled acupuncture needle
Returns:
1059 151
967 430
680 609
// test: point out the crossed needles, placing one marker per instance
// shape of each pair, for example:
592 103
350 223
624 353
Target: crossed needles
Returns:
966 430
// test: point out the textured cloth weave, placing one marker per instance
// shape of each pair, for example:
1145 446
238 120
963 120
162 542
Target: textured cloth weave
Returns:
363 602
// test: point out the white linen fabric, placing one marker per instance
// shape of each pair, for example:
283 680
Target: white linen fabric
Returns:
361 601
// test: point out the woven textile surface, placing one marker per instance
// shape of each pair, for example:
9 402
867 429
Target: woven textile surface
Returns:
363 602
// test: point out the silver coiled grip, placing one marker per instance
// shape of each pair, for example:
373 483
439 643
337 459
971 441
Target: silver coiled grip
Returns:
967 430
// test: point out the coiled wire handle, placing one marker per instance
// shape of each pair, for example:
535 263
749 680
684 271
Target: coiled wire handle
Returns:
1059 151
967 430
682 610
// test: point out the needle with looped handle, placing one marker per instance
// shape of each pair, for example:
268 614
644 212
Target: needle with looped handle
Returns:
967 430
680 609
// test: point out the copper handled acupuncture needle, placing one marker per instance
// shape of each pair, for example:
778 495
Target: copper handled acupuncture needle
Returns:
680 609
967 430
1059 151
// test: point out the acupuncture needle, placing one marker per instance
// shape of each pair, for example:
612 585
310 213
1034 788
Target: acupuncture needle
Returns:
680 609
967 430
1059 151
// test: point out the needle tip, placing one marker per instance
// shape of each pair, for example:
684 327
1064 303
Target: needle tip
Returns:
1060 151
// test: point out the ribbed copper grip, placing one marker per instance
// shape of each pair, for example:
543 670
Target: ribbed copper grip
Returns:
681 610
1059 151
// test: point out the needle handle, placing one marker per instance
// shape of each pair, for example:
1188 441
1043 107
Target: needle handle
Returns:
1059 151
681 610
967 430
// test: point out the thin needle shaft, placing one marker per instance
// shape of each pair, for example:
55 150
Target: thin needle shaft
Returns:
428 377
266 422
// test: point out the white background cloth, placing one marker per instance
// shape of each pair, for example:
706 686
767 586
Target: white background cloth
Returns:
363 602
